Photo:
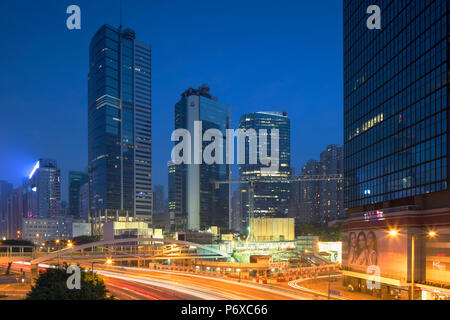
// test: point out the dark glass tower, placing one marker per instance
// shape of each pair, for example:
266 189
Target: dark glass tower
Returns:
396 165
76 180
395 104
205 206
120 156
271 199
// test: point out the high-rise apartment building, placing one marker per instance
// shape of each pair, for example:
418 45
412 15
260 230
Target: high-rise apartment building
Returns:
396 134
271 199
120 139
305 197
331 204
5 192
320 201
206 206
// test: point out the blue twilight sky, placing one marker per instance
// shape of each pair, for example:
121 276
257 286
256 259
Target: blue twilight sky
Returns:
254 54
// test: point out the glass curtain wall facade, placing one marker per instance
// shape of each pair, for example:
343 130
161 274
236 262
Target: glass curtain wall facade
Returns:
396 165
43 190
119 126
76 180
271 199
205 206
396 113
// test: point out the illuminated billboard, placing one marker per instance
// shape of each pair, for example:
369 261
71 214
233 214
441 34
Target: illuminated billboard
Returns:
368 250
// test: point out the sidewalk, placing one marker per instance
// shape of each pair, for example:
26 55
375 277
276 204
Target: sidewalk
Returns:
336 288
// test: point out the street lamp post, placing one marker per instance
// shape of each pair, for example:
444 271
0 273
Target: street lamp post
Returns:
413 254
430 234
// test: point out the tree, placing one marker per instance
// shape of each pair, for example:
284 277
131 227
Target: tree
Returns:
85 239
324 232
52 285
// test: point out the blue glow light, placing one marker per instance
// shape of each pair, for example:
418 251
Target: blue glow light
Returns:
34 170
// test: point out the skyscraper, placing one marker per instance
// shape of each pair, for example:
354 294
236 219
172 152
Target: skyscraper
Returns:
205 205
396 120
271 199
320 201
15 214
305 197
159 199
76 180
5 192
120 139
236 208
43 190
177 195
83 205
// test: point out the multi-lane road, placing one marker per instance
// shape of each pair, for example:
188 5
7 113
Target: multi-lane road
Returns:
149 284
145 284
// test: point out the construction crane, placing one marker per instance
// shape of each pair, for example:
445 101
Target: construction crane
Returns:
251 188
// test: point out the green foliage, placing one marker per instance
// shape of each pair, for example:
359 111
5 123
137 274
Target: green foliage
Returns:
85 239
52 285
324 232
14 242
8 270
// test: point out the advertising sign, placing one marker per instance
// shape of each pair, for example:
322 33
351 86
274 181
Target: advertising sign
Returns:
370 251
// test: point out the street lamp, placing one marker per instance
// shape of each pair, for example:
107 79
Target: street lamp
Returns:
393 233
430 234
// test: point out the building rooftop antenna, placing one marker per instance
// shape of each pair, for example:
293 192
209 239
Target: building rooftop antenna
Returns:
120 26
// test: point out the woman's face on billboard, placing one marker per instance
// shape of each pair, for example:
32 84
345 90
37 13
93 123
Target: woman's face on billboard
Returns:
371 240
353 239
362 241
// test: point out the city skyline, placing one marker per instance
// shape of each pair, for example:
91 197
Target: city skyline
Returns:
304 147
277 90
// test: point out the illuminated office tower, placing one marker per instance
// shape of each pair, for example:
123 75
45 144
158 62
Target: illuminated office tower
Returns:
396 145
271 199
120 140
44 190
206 206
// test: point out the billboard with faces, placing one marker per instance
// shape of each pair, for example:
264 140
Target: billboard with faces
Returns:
365 250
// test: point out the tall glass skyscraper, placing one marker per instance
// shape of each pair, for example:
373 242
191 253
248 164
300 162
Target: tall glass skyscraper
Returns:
271 199
43 190
396 132
395 103
120 139
202 204
76 180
